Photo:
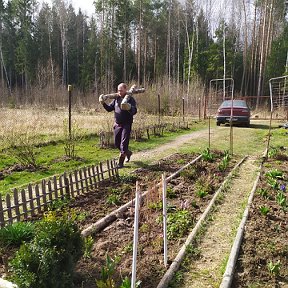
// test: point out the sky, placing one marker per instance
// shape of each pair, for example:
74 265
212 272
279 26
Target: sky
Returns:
86 6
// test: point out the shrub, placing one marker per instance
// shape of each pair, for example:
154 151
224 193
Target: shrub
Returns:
21 146
16 233
49 259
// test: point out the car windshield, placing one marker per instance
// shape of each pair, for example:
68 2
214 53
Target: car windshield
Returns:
236 103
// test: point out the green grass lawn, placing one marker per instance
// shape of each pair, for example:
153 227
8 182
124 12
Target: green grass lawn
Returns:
51 161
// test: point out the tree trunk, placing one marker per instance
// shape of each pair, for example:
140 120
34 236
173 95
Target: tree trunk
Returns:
262 56
139 35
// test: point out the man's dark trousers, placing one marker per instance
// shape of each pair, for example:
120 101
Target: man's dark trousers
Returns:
122 136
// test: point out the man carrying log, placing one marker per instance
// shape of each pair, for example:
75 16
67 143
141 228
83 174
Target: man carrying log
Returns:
124 107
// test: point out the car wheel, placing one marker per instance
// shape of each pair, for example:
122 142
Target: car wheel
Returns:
218 123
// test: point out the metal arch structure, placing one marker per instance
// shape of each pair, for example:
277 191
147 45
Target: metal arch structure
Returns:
278 88
214 102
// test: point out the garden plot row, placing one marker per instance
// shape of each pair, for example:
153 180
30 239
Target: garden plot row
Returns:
188 196
263 258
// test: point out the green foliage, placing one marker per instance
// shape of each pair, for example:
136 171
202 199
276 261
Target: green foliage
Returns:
129 178
207 155
158 206
113 199
16 233
201 193
58 204
281 199
115 194
273 152
273 183
274 174
88 245
202 187
178 223
49 259
225 161
170 193
263 192
274 268
107 272
264 210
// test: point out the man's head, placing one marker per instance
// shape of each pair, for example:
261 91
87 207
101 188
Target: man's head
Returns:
122 89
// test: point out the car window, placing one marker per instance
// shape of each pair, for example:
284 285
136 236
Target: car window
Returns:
236 103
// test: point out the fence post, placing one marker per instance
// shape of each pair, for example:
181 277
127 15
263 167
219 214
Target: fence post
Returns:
69 108
1 213
183 108
159 109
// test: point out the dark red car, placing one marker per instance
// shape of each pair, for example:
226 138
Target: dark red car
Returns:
240 113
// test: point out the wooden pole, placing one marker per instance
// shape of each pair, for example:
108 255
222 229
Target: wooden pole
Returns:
183 112
135 242
164 191
69 109
159 109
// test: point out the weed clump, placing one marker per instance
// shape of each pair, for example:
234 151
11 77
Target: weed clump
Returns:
48 260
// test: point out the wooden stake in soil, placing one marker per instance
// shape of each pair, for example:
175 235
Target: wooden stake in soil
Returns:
135 241
164 189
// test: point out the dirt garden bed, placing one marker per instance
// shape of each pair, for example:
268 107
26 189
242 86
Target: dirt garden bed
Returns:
263 259
188 196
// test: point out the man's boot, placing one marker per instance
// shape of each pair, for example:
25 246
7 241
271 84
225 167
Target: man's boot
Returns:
128 155
121 161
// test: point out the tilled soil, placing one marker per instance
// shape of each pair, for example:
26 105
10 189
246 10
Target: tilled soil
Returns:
263 261
215 244
116 240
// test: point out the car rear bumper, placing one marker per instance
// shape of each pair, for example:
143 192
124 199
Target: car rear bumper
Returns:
235 119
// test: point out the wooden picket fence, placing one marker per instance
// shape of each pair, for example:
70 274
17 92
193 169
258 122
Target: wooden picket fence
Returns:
27 203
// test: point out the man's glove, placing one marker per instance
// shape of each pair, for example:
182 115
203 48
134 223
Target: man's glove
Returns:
124 104
102 98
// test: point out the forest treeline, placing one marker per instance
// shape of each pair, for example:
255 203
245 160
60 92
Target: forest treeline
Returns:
166 45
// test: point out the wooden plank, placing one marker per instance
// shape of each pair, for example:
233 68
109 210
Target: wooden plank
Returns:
76 178
86 179
98 174
2 222
38 202
61 186
49 192
89 177
94 176
67 188
108 169
70 177
116 168
16 204
101 171
56 187
9 209
44 193
82 181
24 203
111 168
31 200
